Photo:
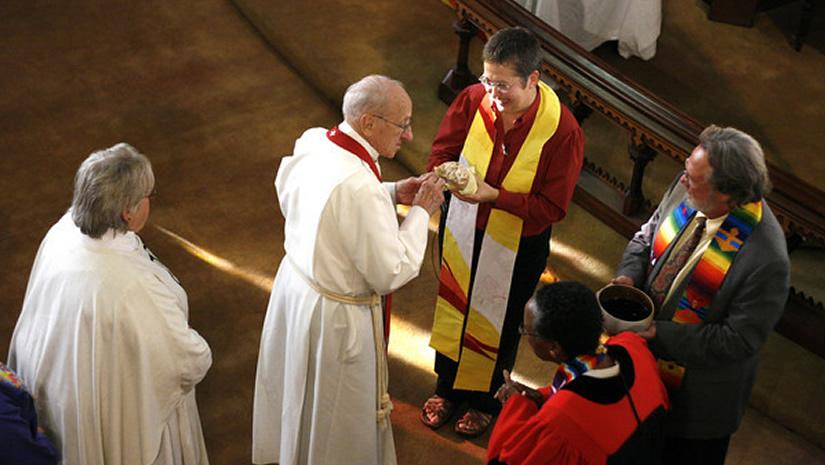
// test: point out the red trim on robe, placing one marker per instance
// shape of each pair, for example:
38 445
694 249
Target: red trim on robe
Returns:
346 142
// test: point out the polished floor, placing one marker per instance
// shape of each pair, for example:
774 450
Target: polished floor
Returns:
215 106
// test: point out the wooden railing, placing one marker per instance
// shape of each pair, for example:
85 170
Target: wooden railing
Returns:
654 127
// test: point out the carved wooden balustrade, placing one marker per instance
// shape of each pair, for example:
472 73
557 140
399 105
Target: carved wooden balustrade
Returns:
654 127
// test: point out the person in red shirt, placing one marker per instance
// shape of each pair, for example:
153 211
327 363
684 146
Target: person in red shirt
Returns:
528 135
606 404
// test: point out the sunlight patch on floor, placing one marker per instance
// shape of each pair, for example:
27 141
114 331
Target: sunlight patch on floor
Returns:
257 279
584 262
410 344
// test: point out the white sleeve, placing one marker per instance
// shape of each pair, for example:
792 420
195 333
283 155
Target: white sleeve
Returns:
390 187
167 334
387 256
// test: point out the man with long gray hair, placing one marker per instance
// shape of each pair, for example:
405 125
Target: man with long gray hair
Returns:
714 261
103 341
321 388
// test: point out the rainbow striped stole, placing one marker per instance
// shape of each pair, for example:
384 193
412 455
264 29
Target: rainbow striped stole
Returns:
468 330
709 273
577 366
9 377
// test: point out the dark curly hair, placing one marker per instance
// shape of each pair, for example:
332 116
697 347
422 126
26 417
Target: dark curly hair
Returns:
567 312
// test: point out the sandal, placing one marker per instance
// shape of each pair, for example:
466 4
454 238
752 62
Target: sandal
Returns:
437 411
473 423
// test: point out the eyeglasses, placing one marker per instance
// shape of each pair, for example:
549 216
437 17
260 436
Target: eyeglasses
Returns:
152 194
502 86
693 181
523 331
403 127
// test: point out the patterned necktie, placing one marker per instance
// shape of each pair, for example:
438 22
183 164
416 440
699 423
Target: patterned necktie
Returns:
661 285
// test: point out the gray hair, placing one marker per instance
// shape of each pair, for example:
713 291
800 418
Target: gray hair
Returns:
738 164
367 96
107 183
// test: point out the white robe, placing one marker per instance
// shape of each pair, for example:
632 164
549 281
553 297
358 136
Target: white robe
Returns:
104 346
635 24
315 392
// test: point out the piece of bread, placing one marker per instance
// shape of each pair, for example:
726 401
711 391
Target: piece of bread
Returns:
458 177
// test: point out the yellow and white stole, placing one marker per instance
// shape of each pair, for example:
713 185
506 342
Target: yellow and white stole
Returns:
468 332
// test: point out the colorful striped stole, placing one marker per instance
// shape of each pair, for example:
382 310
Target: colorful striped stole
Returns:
9 377
577 366
468 330
709 273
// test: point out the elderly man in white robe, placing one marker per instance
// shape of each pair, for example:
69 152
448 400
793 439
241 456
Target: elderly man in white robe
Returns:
103 341
320 393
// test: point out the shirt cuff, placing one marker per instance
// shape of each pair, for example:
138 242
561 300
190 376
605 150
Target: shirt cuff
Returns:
416 210
390 186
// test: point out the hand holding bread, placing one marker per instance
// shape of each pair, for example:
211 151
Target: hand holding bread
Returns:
459 178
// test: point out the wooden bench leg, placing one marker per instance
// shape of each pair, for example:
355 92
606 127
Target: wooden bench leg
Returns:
459 76
806 14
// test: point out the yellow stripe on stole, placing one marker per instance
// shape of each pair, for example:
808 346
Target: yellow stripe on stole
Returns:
503 227
500 227
717 261
478 146
459 264
446 333
475 371
484 332
448 321
520 177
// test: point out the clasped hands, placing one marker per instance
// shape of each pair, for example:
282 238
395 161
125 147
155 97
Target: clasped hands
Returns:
511 387
485 192
426 191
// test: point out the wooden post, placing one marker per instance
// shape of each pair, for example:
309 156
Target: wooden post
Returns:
581 111
736 12
793 241
460 76
634 199
806 13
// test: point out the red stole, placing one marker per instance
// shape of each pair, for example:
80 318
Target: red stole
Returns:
352 146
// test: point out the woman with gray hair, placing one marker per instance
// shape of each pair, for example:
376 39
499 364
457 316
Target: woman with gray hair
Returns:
103 341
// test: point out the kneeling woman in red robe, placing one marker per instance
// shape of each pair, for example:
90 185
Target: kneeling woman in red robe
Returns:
606 404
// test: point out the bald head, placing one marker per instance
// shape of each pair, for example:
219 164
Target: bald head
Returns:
369 95
379 109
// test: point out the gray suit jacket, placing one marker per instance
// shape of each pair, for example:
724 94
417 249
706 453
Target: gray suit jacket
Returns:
721 353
